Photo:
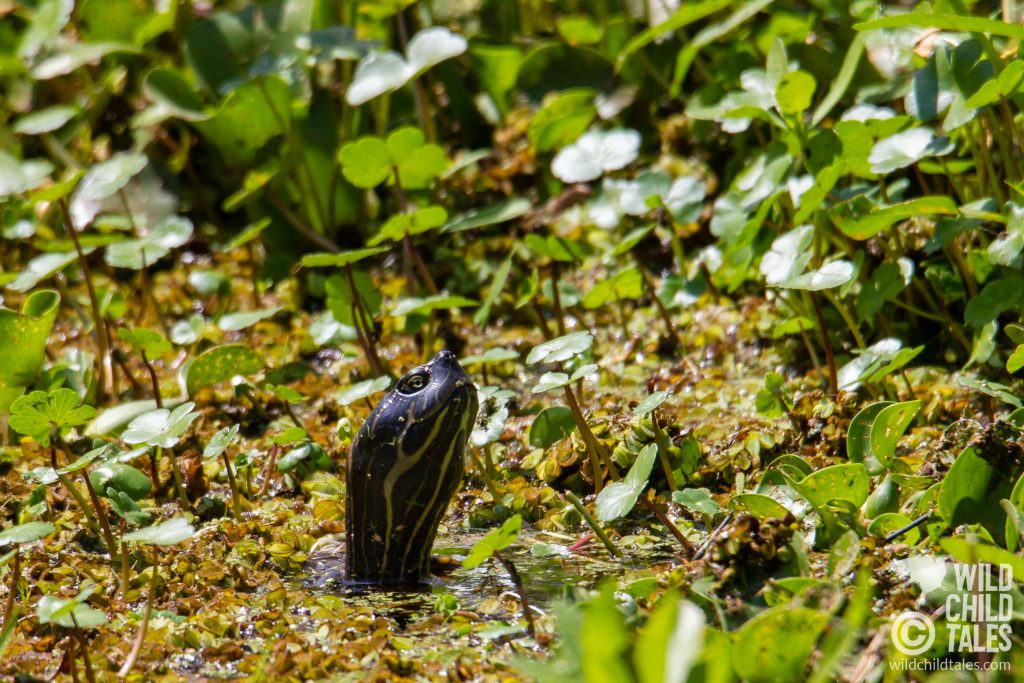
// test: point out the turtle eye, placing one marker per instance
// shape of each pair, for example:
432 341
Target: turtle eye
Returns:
413 383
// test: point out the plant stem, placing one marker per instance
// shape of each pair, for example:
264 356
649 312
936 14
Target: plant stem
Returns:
153 379
663 518
300 158
291 416
101 514
847 317
12 590
663 443
597 452
90 516
556 299
268 472
833 372
141 635
670 328
83 649
179 484
592 523
236 507
488 481
102 343
517 581
125 575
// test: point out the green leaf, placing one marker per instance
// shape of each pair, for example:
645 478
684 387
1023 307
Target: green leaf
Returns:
402 224
491 215
595 153
990 388
232 322
697 500
795 93
888 522
116 417
382 72
684 15
838 482
171 532
497 539
868 226
147 341
758 505
45 120
18 176
68 612
561 348
360 390
858 435
39 413
126 508
248 118
481 317
413 305
946 22
29 532
996 297
340 259
23 343
121 478
551 425
906 148
618 498
968 491
888 426
100 182
221 363
968 551
669 644
651 402
42 267
143 252
162 427
172 91
370 161
220 441
550 381
776 643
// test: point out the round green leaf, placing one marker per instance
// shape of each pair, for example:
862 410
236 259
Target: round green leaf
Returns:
221 363
551 426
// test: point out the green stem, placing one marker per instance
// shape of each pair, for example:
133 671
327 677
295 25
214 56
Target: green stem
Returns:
847 317
597 452
179 484
90 515
236 507
833 372
517 581
589 518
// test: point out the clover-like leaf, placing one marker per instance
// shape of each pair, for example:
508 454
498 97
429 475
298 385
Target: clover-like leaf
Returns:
385 71
171 532
369 160
140 253
68 612
147 341
906 148
162 428
18 176
220 441
497 539
402 224
126 508
100 182
561 348
362 389
40 413
595 153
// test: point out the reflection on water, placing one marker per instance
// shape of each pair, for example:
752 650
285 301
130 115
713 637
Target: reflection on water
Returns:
546 579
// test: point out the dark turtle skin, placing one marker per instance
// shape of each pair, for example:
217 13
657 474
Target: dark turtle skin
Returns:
406 463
